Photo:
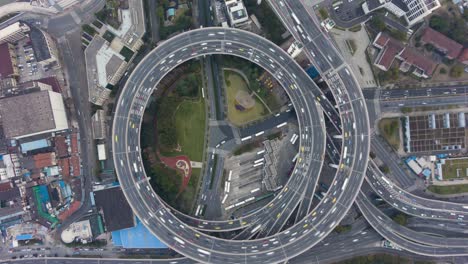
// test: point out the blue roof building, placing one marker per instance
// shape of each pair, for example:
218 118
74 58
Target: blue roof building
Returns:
24 237
312 72
136 237
33 145
170 13
426 173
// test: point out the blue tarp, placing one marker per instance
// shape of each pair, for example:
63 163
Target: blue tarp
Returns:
33 145
426 173
91 195
136 237
170 12
312 72
43 194
24 237
116 239
66 190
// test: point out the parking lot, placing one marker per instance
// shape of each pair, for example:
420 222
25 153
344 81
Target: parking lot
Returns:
243 179
244 174
29 68
347 10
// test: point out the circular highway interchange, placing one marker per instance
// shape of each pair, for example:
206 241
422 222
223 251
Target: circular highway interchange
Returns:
185 236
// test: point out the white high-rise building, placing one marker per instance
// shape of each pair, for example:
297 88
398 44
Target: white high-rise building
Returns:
418 9
413 11
14 32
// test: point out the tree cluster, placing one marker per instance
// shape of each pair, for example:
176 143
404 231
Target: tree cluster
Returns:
188 86
452 27
166 130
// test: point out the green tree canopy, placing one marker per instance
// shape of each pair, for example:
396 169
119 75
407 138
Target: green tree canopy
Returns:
439 23
456 71
377 23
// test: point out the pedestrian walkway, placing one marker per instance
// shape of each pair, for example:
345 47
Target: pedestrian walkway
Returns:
358 41
196 164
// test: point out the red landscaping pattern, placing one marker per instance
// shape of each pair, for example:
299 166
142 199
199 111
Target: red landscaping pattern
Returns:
73 207
182 164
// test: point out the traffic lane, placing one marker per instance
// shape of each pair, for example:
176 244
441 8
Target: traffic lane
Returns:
324 45
298 9
306 201
406 180
405 205
318 58
411 204
413 235
350 84
390 234
442 225
286 15
268 124
422 92
439 247
314 31
396 105
280 220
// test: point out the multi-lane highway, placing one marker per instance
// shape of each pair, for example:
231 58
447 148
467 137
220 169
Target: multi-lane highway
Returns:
409 240
397 94
336 73
280 246
294 15
412 204
349 118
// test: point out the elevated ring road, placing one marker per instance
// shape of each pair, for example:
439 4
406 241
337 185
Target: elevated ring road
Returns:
190 242
315 145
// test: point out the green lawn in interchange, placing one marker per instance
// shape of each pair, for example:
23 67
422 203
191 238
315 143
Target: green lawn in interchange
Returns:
190 126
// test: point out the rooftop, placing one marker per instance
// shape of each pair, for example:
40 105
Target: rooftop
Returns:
136 237
33 145
464 55
98 124
6 67
33 113
373 4
400 4
52 81
10 194
416 59
116 210
65 166
13 28
80 230
436 132
61 146
42 160
237 11
390 48
39 44
98 54
447 45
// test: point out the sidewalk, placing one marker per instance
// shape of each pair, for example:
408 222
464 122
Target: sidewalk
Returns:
356 60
